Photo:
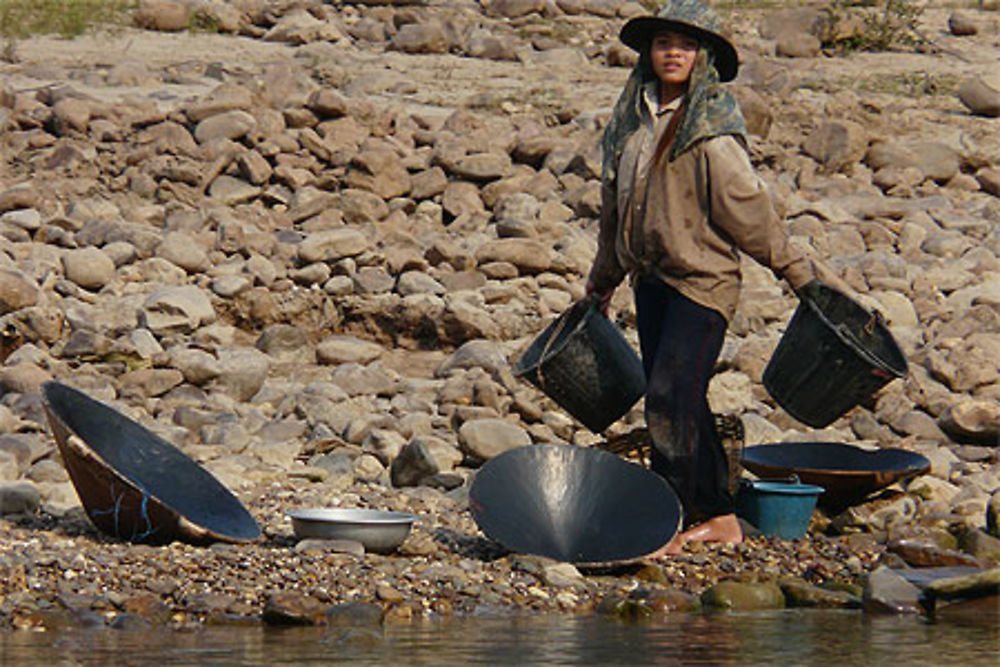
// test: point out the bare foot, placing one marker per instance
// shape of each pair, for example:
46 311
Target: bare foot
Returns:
723 528
671 548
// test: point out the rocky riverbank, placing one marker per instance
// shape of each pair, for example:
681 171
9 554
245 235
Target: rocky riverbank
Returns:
304 246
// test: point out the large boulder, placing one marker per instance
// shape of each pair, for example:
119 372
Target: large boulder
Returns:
380 172
837 144
528 255
71 113
227 125
741 596
163 15
242 372
424 38
176 309
328 103
888 592
485 439
512 9
227 97
809 20
338 349
972 421
939 162
482 166
332 245
483 354
16 291
756 110
962 24
981 95
797 45
300 27
90 268
989 180
428 183
420 458
180 249
490 46
361 206
799 593
19 498
197 366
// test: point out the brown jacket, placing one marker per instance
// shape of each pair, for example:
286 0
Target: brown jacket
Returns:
683 221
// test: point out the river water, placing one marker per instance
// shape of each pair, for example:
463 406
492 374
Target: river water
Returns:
791 637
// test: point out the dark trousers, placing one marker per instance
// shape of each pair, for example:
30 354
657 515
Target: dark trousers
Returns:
680 342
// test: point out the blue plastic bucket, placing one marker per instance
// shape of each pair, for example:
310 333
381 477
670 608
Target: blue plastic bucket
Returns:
782 509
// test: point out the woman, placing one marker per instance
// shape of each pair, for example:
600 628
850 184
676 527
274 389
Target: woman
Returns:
680 197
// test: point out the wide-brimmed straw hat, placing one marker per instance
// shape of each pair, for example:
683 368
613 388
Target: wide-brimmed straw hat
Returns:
688 17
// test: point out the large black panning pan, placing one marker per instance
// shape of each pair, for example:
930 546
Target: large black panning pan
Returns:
575 504
135 485
848 473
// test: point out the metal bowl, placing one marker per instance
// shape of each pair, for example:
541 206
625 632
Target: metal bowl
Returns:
379 531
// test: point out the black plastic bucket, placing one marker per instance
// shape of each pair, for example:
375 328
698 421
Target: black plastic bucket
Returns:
583 363
833 355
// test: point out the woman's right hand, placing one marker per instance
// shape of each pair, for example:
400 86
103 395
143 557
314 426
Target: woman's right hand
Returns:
810 291
603 297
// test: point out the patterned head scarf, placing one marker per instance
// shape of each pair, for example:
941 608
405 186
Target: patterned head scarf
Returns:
710 110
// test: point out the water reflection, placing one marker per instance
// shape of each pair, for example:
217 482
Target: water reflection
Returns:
793 637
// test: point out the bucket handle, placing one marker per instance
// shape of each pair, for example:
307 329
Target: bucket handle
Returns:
590 300
791 479
876 320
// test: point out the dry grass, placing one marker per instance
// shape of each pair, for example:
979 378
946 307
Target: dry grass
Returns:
66 18
913 85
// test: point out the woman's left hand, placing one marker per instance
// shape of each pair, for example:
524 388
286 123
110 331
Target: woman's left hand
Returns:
603 297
